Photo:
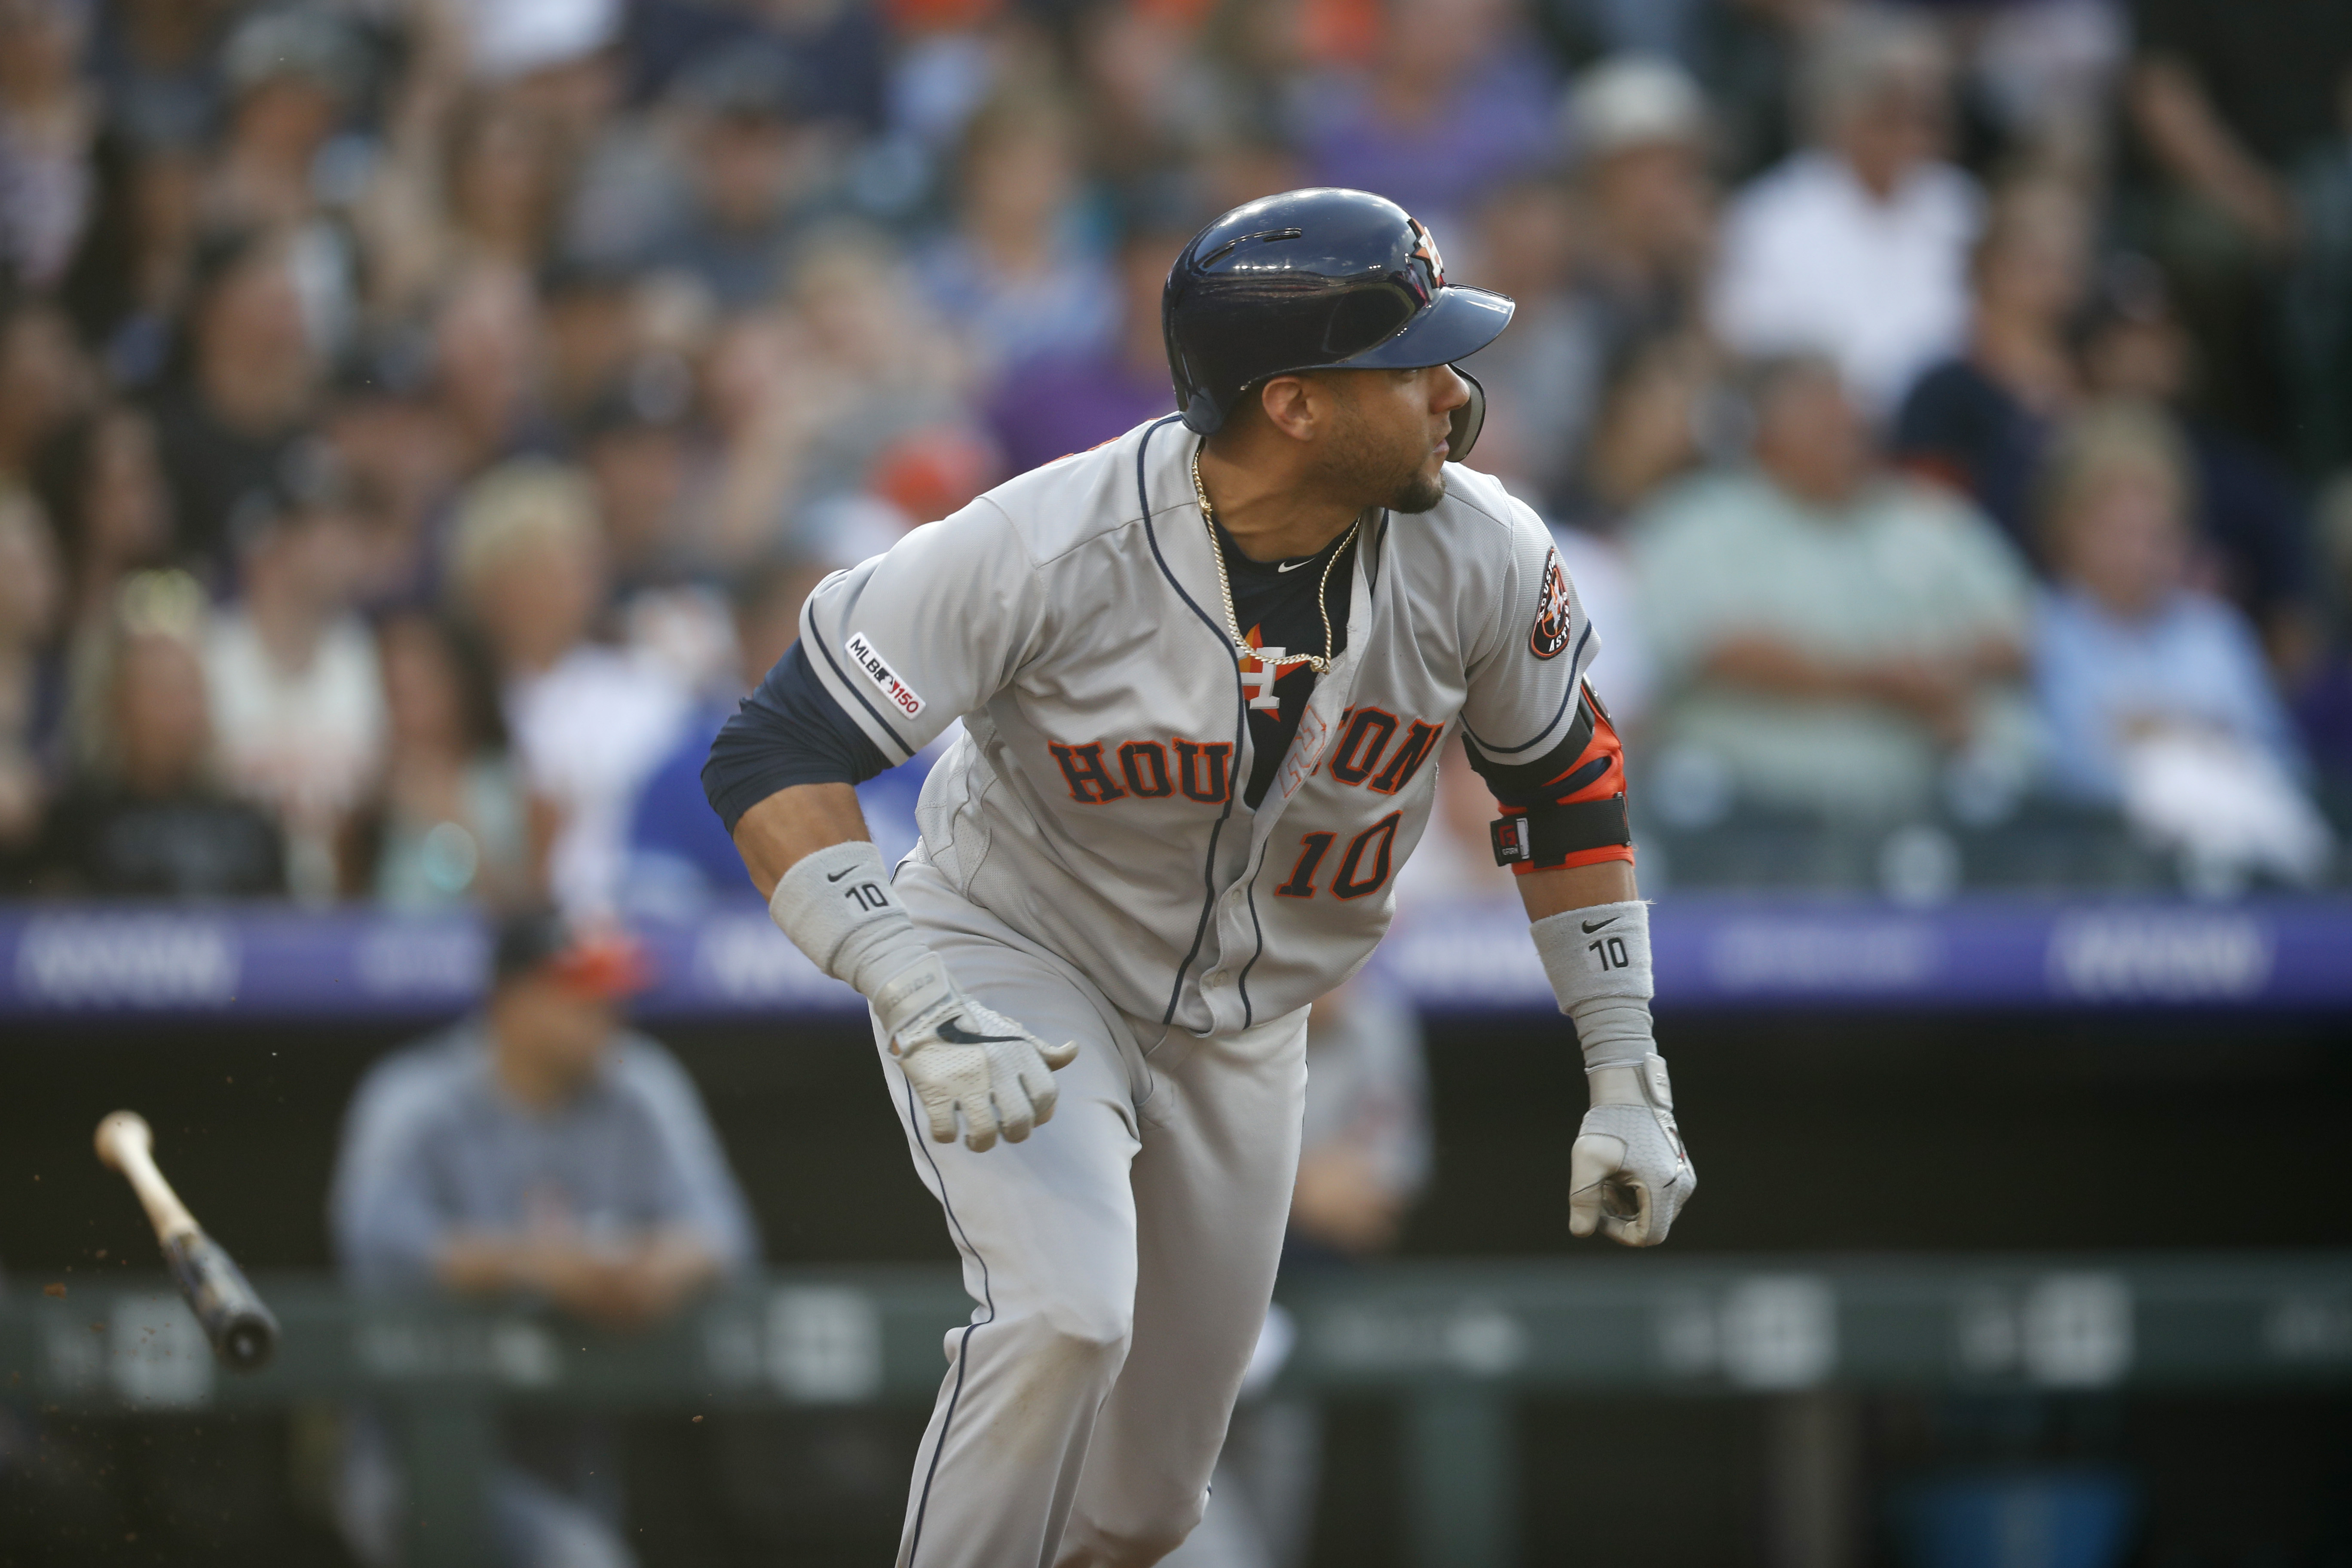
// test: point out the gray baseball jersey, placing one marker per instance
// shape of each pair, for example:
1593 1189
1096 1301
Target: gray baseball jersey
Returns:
1072 618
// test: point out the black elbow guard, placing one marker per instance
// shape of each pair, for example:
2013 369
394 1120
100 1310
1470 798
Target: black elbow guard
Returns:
1545 836
1568 808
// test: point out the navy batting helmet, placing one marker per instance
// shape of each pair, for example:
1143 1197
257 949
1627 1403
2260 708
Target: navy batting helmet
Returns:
1317 280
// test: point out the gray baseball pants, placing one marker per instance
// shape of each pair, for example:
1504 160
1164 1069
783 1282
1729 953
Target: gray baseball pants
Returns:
1122 1260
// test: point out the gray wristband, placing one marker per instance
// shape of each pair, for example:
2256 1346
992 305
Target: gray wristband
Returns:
1598 961
838 908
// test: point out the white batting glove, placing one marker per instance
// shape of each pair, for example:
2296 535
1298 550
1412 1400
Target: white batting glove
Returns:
838 906
963 1057
1628 1173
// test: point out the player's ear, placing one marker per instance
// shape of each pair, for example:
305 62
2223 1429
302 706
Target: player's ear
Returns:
1294 406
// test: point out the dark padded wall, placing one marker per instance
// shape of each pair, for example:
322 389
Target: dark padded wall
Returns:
1948 1133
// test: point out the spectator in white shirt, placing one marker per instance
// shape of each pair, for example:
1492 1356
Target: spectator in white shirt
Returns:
292 672
588 721
1857 247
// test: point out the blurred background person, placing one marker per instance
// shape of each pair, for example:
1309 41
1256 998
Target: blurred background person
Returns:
157 62
2155 694
1749 56
811 397
241 392
44 380
1981 420
635 443
2253 530
590 720
1641 139
291 669
129 274
1646 206
450 822
403 465
843 51
1857 246
103 488
2222 110
48 120
1023 271
1827 632
1052 405
1540 378
539 1152
503 181
1452 105
593 316
289 73
143 816
753 169
1150 100
32 695
1657 399
486 364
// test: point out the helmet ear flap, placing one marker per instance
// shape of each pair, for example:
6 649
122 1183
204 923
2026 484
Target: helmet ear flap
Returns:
1468 419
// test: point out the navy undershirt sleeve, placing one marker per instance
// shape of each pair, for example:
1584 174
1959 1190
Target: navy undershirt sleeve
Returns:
790 732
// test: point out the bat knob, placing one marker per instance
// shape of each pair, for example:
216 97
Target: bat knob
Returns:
235 1319
245 1344
121 1132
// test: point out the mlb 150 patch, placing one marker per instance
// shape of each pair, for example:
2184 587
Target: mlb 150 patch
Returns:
902 696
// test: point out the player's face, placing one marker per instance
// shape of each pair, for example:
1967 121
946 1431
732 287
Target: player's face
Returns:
1388 447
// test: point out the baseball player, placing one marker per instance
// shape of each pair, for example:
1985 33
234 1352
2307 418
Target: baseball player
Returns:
1204 673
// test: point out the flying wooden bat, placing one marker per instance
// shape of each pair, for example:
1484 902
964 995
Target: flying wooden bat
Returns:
234 1319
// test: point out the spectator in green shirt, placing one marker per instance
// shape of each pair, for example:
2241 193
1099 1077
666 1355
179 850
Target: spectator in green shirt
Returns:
1829 632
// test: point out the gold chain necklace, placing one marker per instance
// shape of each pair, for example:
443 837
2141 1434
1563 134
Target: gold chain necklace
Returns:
1319 663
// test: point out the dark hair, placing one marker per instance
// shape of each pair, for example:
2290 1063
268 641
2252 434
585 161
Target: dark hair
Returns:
525 941
480 705
1760 380
481 720
220 255
60 478
481 711
100 286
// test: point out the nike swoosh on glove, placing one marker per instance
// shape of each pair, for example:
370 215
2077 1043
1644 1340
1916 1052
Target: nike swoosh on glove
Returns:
964 1057
1629 1174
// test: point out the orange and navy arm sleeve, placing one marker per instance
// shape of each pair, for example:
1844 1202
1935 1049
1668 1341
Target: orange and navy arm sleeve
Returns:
1566 808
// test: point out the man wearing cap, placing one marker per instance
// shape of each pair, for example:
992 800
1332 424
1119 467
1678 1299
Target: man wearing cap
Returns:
1204 673
541 1151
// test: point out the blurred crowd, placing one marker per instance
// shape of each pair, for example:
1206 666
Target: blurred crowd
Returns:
421 419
